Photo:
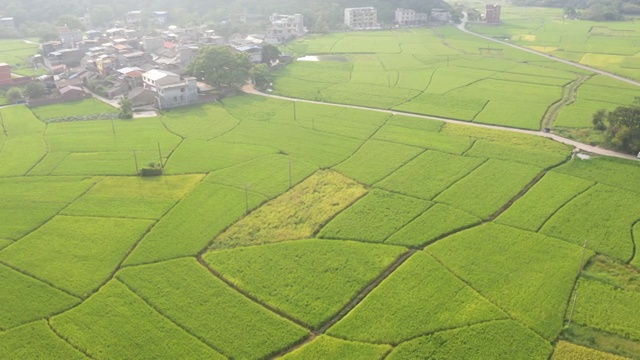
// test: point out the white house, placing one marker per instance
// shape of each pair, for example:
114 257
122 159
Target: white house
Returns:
361 18
406 17
170 89
285 27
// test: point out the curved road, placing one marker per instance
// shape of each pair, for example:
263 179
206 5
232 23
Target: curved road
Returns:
462 27
249 89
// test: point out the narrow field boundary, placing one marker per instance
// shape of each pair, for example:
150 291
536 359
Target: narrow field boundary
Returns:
470 286
569 96
161 313
63 338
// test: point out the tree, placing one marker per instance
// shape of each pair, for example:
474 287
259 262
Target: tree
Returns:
269 53
34 90
221 66
623 129
261 76
126 108
14 95
70 21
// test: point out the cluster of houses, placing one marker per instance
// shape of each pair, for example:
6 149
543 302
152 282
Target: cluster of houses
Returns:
366 18
148 69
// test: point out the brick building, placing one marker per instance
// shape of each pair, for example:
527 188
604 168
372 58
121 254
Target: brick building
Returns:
492 14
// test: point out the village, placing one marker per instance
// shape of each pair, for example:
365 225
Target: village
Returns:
149 68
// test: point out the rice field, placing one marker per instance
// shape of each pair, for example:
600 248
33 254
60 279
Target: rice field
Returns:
281 229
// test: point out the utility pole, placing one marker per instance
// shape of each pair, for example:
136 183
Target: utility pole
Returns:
4 130
135 159
160 156
246 198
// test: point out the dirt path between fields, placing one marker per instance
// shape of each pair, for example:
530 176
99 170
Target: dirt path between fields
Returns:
576 144
462 27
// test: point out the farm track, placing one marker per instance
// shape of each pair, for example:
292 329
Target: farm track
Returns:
569 95
578 145
462 27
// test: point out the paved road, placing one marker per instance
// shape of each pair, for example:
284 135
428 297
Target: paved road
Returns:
578 145
462 27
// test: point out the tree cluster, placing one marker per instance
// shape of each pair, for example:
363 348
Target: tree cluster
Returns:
226 68
621 127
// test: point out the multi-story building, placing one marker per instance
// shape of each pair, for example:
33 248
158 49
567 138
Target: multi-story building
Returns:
361 18
7 23
159 17
407 17
133 18
492 14
285 27
440 15
69 37
171 90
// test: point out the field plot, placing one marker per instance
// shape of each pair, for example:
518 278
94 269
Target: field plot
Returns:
569 351
279 274
319 148
268 176
23 143
490 340
115 323
603 216
108 136
419 298
31 201
543 158
333 348
618 173
32 341
79 260
530 276
184 292
375 160
429 174
297 214
437 221
440 72
354 123
203 122
198 156
133 197
375 217
533 210
16 53
193 222
423 138
72 109
606 307
26 299
500 181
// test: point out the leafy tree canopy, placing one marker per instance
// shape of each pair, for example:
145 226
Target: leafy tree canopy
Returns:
621 127
221 66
